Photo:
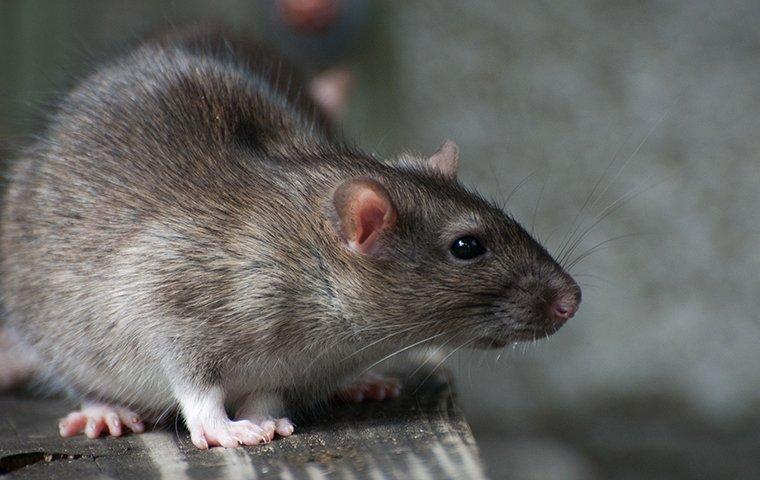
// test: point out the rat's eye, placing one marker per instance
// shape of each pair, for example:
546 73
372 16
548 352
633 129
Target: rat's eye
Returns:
467 248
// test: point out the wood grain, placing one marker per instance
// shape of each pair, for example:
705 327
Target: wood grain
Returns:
421 435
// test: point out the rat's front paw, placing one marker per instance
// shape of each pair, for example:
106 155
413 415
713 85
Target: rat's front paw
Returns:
370 386
229 434
96 418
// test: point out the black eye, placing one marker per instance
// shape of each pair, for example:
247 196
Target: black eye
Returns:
467 248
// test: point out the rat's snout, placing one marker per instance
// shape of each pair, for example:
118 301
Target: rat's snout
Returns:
563 306
539 304
565 302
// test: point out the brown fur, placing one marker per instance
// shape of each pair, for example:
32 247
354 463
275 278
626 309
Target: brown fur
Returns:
175 226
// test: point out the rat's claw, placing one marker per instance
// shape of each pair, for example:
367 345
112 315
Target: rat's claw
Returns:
95 418
248 433
198 438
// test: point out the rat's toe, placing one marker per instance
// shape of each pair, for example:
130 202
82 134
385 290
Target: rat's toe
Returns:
265 423
269 425
95 426
370 386
131 421
392 387
226 440
376 392
284 427
113 422
199 438
95 418
248 433
220 436
73 424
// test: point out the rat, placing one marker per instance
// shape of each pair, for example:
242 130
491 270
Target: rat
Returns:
189 234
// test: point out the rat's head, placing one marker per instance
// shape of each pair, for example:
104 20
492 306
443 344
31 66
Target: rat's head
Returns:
432 254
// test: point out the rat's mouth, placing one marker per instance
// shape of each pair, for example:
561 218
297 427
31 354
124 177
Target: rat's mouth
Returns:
524 334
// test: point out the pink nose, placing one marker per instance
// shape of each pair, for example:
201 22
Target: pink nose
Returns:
564 308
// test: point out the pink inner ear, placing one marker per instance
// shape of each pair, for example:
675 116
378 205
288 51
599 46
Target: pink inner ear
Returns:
365 210
370 217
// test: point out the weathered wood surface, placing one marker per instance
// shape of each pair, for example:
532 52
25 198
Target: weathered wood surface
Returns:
422 435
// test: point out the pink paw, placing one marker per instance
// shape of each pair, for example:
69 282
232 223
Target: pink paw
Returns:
370 386
232 433
96 418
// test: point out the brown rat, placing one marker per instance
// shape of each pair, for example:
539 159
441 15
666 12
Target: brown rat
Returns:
186 235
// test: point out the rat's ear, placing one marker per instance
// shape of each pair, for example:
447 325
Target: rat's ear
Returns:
364 211
446 159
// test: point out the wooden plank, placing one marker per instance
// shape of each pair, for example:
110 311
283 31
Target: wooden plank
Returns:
421 435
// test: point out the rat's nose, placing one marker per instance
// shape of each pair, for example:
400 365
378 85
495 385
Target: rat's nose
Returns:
564 307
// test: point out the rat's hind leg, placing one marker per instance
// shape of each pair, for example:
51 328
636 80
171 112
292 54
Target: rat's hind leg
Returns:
262 410
96 418
369 386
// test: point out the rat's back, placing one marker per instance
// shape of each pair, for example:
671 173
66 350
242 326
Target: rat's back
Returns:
148 152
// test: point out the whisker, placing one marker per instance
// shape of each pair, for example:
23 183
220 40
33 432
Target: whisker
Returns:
535 208
583 255
412 327
643 141
609 210
518 186
440 347
574 226
441 363
401 350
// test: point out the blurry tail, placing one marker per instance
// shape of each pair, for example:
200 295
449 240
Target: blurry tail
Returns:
16 369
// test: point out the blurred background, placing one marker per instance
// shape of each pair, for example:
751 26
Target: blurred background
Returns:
636 124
